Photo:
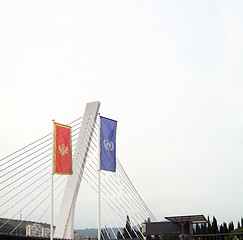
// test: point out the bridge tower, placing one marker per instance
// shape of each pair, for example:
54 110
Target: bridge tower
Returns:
65 224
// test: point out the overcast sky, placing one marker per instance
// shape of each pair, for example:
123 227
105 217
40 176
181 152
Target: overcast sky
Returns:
170 72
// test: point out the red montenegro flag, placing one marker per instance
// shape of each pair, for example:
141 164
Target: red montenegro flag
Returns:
62 149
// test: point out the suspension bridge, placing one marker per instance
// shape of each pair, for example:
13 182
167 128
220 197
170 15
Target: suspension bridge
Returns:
25 186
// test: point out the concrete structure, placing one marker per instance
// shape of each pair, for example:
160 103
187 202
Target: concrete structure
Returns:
65 222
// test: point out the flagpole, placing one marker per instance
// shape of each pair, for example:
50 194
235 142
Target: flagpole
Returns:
52 173
99 178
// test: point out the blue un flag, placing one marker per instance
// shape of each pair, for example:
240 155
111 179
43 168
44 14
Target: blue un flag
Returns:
108 144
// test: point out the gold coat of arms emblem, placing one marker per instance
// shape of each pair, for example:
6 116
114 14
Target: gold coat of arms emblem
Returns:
63 150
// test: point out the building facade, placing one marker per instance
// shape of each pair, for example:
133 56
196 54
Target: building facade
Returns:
37 230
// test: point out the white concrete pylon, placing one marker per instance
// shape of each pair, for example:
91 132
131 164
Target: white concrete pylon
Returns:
64 228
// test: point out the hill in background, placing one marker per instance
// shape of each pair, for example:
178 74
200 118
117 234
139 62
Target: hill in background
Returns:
21 229
11 224
93 232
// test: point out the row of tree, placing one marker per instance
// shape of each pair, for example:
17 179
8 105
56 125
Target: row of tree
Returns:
128 232
212 227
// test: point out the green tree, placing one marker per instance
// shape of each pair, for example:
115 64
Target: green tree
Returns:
215 229
119 235
105 234
238 227
209 228
237 230
215 226
203 228
231 226
128 227
223 228
198 229
128 232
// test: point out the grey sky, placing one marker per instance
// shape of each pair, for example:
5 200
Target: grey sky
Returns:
170 73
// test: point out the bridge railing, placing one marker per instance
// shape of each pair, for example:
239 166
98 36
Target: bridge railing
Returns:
219 236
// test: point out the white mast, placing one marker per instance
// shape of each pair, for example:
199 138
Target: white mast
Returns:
99 231
52 173
65 223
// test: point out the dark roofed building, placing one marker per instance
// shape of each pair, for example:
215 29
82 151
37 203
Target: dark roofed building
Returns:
175 225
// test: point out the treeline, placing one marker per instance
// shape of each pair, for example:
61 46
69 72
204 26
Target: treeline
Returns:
128 232
212 227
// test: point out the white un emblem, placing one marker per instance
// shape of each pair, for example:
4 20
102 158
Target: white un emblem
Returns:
108 145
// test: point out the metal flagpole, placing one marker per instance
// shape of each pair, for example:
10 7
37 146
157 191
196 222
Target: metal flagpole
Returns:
52 173
99 177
